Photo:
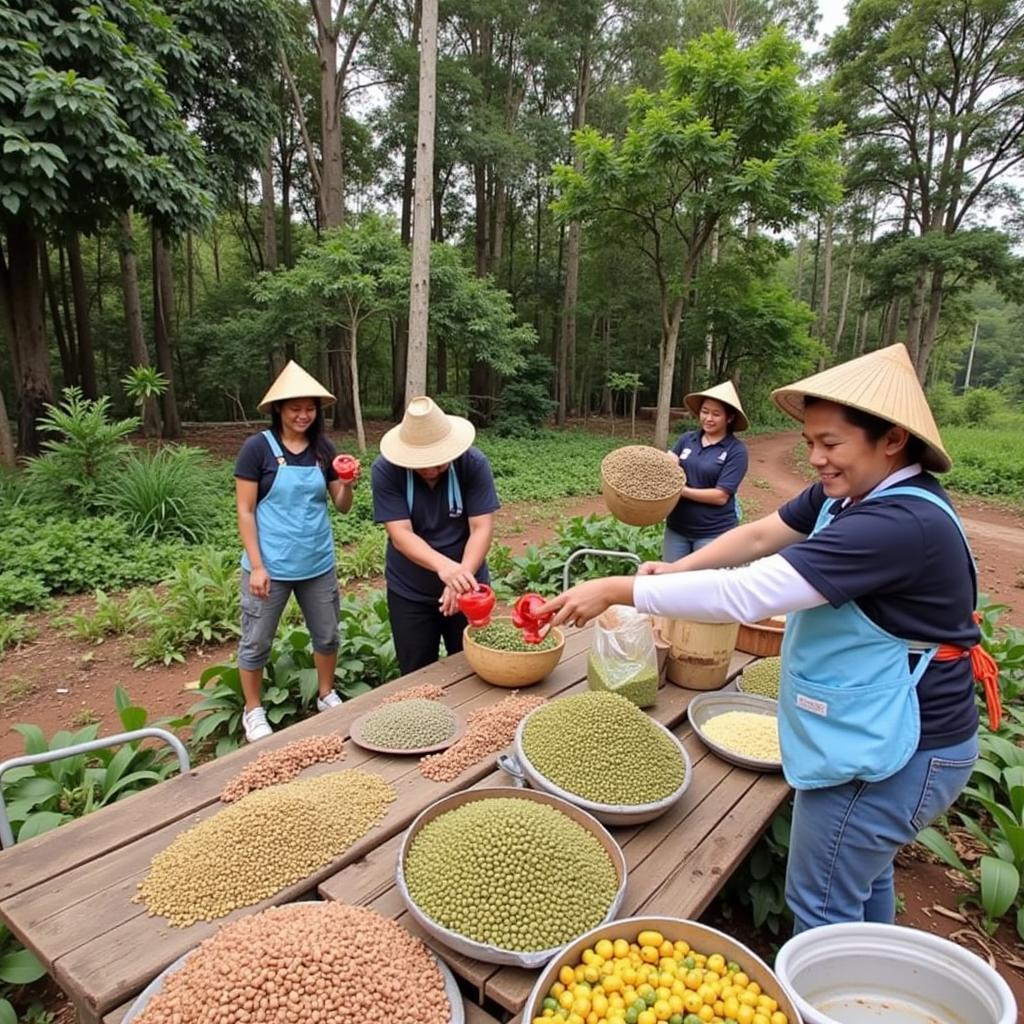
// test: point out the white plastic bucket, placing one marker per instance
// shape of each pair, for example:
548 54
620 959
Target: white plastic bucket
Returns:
861 973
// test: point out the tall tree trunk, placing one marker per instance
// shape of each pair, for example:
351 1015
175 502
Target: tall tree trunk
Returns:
799 288
66 307
152 422
915 315
419 284
6 437
481 219
267 204
709 338
671 319
400 349
68 366
332 183
814 274
190 272
860 333
931 325
163 306
22 297
86 353
826 283
357 405
845 303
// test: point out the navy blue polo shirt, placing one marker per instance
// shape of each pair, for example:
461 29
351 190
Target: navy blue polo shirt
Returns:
445 530
256 462
905 564
724 465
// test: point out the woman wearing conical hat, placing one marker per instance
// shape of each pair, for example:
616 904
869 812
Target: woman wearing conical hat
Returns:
715 461
877 719
283 479
434 492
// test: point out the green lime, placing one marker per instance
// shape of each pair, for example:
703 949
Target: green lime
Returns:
550 1003
650 998
676 1018
692 1018
631 1015
689 963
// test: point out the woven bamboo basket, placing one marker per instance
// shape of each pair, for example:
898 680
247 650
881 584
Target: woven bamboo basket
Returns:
763 638
511 668
638 511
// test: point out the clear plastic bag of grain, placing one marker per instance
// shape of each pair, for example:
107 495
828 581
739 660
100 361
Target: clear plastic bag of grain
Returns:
623 658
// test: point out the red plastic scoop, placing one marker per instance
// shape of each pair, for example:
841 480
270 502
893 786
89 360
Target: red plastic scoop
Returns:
346 466
477 605
525 617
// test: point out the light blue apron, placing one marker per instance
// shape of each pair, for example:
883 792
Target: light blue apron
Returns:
295 536
848 704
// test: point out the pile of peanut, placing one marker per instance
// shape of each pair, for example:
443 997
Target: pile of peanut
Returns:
425 691
307 962
256 847
282 765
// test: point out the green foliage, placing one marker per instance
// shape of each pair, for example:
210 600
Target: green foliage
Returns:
18 967
525 402
980 405
198 603
760 881
15 630
142 382
43 796
366 659
985 462
110 617
167 493
83 452
365 559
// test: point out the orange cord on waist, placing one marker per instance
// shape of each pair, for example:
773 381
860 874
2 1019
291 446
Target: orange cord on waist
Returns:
985 670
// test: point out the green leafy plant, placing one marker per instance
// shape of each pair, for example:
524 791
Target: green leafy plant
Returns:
142 382
165 493
15 630
109 617
199 604
84 449
18 967
365 559
43 796
525 402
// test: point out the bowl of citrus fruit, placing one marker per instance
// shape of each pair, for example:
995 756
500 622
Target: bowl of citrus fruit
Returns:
646 970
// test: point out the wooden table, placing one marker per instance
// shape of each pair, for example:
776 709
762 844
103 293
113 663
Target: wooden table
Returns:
67 894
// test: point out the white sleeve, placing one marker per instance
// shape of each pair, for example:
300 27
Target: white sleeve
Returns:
769 586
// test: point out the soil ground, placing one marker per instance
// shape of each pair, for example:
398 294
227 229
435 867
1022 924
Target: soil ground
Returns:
58 682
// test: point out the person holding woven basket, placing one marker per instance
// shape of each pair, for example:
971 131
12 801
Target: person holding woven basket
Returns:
714 460
877 717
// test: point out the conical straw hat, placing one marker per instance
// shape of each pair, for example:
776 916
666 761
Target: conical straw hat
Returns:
426 436
724 393
294 382
883 383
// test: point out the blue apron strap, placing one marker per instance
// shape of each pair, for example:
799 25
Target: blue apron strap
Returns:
275 448
408 490
454 492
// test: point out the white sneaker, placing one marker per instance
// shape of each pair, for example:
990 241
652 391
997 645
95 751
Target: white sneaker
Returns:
256 725
332 700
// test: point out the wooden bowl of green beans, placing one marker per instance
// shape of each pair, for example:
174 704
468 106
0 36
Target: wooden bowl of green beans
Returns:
498 654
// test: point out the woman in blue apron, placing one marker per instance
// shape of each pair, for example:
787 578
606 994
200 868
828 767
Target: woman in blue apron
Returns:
877 717
434 493
283 478
715 462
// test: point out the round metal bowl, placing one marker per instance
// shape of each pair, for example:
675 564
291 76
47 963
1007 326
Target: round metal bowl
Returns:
859 972
479 950
702 938
521 767
511 668
709 705
451 987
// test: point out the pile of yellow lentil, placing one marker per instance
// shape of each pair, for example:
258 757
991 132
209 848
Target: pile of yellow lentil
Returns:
747 733
649 978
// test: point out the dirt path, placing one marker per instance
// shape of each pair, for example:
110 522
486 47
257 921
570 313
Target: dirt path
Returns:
59 682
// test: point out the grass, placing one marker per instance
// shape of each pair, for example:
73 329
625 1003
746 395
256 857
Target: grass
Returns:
85 717
15 630
16 690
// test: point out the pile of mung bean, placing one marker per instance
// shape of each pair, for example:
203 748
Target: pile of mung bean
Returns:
762 678
424 691
503 636
409 725
642 472
746 733
308 962
276 766
603 748
511 873
636 681
266 841
488 730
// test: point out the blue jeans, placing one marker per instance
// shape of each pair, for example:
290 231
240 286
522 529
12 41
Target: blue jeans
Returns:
844 838
675 545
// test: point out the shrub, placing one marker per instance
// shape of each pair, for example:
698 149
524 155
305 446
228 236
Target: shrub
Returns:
980 405
525 401
81 456
164 494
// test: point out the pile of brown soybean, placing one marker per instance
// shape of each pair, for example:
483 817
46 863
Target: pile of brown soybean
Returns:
276 766
325 963
642 472
265 842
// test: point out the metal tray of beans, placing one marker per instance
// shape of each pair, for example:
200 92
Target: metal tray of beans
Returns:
451 986
701 710
699 938
596 761
480 863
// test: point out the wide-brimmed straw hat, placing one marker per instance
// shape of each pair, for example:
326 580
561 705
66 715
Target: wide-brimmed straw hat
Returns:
724 393
883 383
426 436
294 382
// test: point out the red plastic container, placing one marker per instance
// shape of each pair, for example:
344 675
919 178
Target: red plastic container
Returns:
525 617
346 466
477 605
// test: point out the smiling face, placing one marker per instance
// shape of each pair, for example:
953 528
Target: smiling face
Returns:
298 414
714 417
849 462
